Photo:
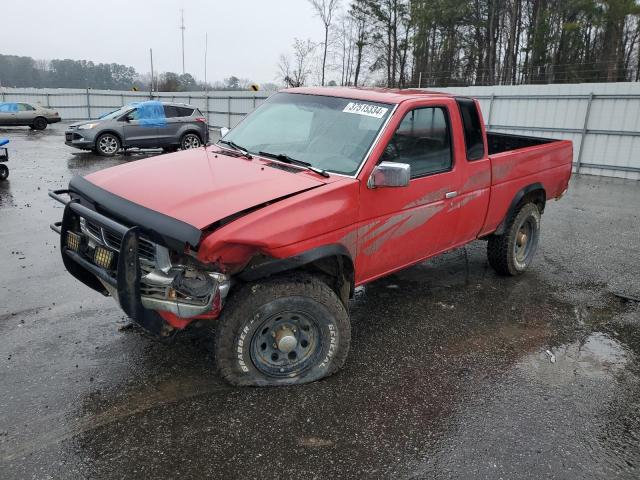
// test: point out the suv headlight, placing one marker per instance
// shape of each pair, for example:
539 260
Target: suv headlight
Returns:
87 126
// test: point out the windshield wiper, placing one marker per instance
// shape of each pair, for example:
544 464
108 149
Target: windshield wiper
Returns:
245 153
287 159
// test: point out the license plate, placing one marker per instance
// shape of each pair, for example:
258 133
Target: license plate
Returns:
68 136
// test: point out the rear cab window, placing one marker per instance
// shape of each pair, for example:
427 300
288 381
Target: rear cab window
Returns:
473 138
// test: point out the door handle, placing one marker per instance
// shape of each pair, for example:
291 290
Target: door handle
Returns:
450 194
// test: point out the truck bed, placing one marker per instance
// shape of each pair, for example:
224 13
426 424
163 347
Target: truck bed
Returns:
518 162
505 142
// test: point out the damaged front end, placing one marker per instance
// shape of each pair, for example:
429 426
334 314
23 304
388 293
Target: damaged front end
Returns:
152 277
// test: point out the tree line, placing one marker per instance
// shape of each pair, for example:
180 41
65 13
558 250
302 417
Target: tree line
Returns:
402 43
16 71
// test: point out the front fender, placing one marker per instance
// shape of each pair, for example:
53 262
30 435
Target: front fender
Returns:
271 266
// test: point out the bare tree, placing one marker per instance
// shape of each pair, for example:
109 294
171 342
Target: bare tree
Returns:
294 72
325 9
359 14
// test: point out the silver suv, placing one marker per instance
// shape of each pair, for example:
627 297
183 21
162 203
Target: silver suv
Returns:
141 125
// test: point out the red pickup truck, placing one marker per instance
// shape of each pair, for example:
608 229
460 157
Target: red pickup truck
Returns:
266 234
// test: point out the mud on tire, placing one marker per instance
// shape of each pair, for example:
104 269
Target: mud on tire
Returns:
283 331
512 253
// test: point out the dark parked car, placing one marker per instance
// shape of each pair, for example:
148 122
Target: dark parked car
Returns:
142 125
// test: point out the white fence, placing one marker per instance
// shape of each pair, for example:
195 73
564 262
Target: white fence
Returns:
602 119
223 109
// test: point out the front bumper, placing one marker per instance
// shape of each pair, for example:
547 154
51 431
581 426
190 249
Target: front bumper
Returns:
128 268
54 119
77 140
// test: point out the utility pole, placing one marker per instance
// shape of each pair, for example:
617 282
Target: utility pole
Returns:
151 90
182 28
206 42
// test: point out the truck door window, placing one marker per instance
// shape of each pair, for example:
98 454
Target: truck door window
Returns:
423 140
472 128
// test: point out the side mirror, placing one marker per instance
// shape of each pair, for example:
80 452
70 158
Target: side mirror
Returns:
224 131
390 174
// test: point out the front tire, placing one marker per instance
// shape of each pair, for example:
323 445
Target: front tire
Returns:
283 331
4 172
107 145
511 253
189 141
40 123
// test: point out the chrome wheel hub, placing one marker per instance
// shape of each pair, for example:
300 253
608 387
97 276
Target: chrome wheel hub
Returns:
286 340
108 144
286 344
190 141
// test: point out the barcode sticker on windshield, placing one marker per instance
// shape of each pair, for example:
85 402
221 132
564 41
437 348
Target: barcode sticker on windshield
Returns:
365 109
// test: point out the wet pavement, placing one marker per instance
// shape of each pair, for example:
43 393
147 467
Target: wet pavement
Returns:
453 371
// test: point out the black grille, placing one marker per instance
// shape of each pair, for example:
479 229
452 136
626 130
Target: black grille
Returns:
146 249
94 230
68 136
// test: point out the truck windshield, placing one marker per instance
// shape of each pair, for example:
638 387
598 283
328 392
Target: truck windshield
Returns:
329 133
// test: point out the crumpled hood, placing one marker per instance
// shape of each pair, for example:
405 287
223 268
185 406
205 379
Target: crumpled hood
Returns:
200 187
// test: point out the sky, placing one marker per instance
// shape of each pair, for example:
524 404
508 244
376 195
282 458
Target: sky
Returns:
245 37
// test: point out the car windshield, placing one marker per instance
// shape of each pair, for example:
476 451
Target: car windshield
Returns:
329 133
116 113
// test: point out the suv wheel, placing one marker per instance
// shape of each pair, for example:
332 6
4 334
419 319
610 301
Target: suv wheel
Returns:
190 140
283 331
512 253
40 123
107 145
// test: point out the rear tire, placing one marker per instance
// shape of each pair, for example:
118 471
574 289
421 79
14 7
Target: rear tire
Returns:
107 145
190 140
282 331
40 123
511 254
4 172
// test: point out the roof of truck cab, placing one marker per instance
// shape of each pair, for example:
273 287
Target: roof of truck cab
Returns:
381 95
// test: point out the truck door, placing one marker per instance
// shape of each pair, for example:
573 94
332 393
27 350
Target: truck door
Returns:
399 226
139 132
471 201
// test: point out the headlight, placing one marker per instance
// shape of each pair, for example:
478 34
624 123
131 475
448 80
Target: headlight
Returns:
87 126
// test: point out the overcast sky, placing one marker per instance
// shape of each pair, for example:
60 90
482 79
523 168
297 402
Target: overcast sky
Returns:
246 37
